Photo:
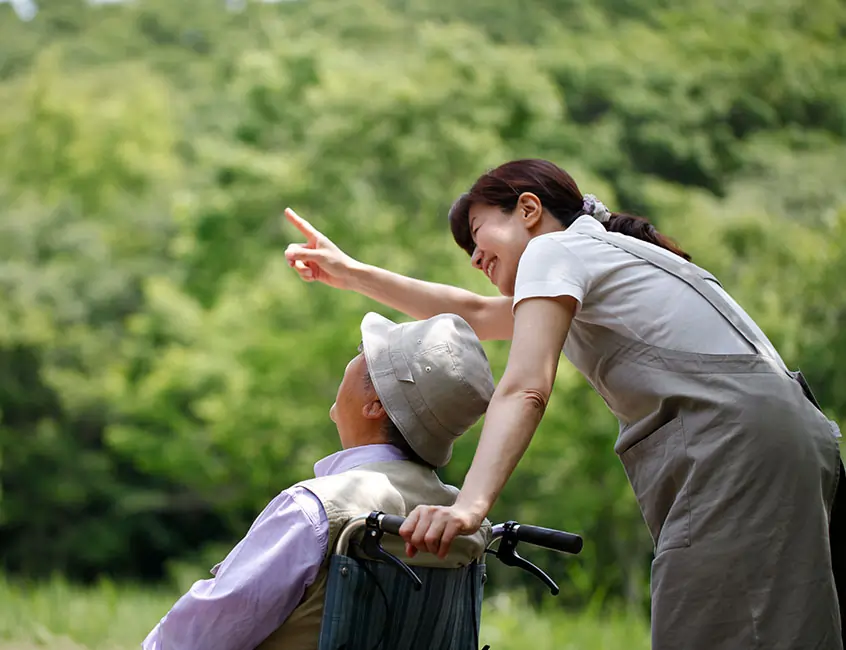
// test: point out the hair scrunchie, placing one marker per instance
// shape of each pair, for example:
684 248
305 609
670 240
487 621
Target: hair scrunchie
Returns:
596 208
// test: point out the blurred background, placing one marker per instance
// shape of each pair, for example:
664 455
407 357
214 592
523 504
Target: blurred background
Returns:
164 374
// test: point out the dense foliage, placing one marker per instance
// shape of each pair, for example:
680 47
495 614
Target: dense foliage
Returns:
163 373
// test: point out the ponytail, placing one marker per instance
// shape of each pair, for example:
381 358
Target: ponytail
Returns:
640 228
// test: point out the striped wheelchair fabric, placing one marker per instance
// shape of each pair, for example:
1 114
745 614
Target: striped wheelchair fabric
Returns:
373 606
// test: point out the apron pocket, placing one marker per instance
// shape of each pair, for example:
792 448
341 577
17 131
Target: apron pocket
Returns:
657 467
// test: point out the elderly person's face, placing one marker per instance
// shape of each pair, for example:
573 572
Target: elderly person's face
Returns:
357 411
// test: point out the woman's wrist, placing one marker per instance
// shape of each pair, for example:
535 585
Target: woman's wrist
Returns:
476 506
357 275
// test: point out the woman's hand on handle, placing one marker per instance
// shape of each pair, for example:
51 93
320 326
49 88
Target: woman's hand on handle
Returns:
433 528
318 259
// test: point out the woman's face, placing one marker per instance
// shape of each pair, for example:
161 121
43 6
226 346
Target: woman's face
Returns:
501 238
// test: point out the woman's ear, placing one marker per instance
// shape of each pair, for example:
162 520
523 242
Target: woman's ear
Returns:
373 410
529 209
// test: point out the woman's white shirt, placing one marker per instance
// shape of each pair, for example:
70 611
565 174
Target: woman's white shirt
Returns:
626 294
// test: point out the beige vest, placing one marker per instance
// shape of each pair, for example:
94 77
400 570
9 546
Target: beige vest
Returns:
394 487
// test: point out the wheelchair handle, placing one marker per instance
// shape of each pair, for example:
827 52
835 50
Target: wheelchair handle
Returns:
391 523
509 535
555 540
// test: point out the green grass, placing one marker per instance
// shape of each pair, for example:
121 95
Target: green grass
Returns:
60 616
509 624
108 617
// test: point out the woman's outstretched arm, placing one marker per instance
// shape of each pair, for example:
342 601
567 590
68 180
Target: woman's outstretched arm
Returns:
319 259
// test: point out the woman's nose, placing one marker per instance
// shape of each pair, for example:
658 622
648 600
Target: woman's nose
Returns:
476 258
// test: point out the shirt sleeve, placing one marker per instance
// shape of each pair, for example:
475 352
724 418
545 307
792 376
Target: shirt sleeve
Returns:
549 269
257 586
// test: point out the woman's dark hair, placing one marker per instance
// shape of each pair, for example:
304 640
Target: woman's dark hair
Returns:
558 193
392 434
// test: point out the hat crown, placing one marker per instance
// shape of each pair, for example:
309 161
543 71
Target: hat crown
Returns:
432 376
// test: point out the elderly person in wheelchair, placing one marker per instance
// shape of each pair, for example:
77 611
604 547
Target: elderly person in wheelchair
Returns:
412 390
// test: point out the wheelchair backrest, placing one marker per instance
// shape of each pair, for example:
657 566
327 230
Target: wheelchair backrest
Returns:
372 605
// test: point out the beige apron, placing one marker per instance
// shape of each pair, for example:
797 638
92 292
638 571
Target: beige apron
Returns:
734 471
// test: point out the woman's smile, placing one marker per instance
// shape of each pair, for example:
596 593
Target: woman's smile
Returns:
490 267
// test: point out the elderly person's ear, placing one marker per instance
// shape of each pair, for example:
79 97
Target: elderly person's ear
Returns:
373 410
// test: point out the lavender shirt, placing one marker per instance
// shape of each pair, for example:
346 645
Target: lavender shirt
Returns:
264 577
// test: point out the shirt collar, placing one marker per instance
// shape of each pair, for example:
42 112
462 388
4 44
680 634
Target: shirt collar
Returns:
586 222
348 459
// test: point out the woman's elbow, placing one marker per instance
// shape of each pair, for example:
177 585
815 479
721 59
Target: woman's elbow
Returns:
531 399
535 399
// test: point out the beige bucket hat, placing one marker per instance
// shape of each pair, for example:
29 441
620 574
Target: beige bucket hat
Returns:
432 377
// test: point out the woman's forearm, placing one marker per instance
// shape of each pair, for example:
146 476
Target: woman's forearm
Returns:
489 317
515 410
510 423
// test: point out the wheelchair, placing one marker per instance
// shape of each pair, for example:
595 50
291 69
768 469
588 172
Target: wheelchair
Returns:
375 601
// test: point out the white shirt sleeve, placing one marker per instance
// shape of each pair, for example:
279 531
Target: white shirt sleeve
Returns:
549 269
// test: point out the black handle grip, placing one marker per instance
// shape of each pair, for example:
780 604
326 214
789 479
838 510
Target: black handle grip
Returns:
391 523
557 540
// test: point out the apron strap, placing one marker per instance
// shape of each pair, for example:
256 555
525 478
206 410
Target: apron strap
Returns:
697 278
701 281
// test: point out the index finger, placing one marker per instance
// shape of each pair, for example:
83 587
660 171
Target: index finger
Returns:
302 225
